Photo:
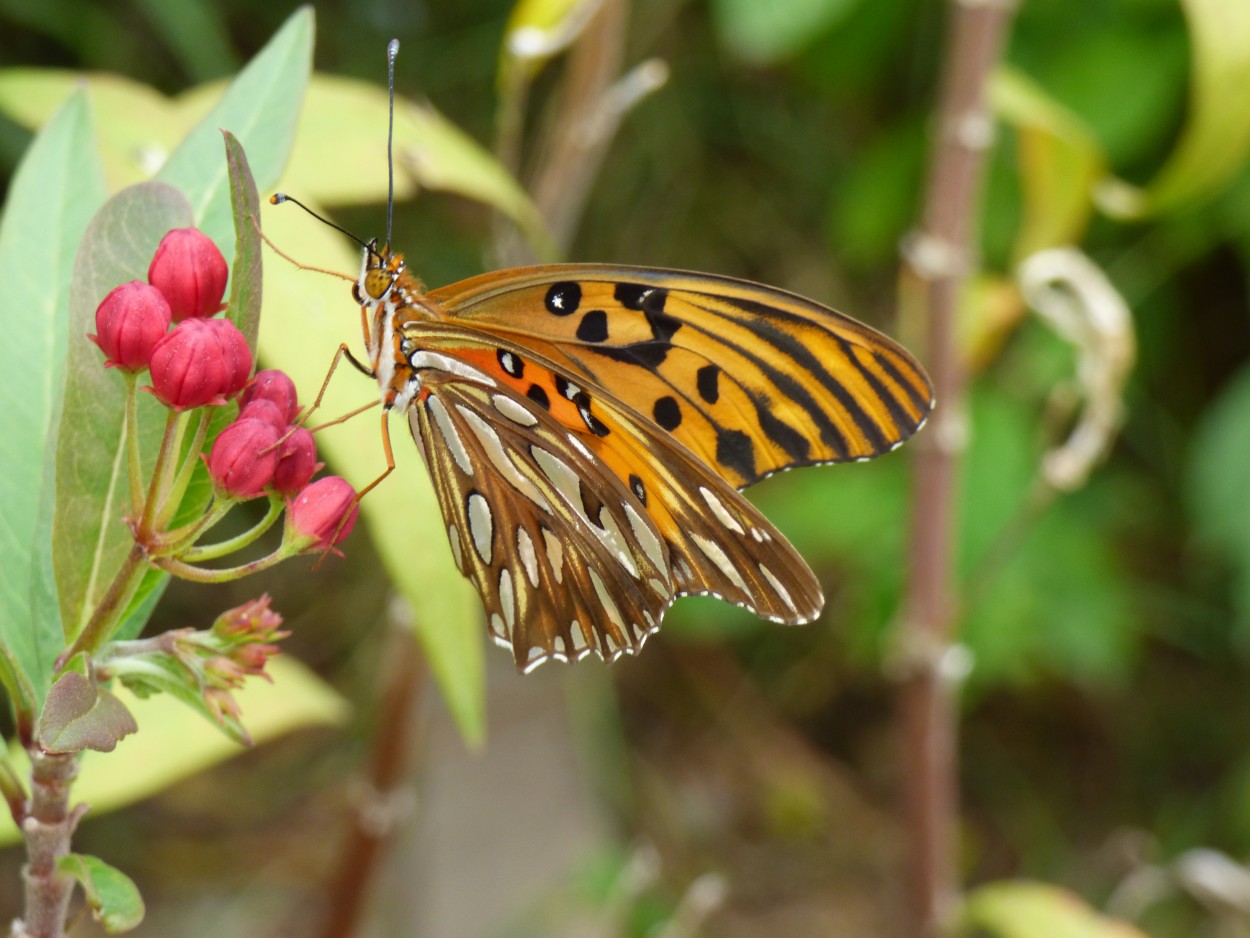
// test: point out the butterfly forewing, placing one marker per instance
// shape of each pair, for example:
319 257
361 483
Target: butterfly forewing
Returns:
751 379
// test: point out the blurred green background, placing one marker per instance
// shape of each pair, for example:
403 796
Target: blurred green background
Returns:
1104 720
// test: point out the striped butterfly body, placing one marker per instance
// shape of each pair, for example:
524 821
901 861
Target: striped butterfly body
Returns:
588 428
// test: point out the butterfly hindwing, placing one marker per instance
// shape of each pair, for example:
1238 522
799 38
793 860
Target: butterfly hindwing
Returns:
578 537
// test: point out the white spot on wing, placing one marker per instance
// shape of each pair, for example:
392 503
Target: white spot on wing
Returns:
481 525
555 554
645 537
424 358
609 605
490 441
562 477
720 511
776 585
610 533
507 599
529 559
450 437
513 410
715 553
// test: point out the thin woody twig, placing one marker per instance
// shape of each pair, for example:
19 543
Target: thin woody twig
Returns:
939 257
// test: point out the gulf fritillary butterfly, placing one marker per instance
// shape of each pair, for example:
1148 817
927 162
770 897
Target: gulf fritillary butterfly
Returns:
588 428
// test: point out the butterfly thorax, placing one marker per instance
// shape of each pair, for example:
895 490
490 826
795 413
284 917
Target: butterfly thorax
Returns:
390 298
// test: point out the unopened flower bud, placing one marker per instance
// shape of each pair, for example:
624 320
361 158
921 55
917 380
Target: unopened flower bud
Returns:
323 514
189 269
200 362
129 322
297 462
243 458
274 385
267 411
252 620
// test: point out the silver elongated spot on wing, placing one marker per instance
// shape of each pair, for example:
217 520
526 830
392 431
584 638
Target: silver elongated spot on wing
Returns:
555 554
719 510
529 559
481 525
778 588
608 603
488 438
610 533
715 553
513 410
507 598
453 535
424 358
646 538
451 438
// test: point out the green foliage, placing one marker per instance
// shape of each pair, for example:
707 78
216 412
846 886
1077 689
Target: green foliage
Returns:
113 898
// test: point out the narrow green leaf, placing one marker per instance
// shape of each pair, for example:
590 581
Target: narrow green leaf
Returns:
56 189
90 537
79 714
306 316
245 280
1022 909
18 689
1060 162
1215 142
261 108
114 899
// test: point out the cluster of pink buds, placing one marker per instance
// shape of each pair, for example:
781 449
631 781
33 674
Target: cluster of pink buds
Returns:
205 362
198 364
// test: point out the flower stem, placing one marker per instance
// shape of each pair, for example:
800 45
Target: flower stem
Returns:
186 571
160 484
104 618
131 429
229 546
178 488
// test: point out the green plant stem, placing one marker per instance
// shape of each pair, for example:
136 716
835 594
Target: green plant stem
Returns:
160 484
229 546
104 618
131 429
48 827
173 497
186 571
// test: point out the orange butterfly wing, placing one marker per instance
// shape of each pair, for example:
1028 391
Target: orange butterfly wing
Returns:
751 379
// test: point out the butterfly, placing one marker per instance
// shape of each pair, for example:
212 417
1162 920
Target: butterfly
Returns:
588 429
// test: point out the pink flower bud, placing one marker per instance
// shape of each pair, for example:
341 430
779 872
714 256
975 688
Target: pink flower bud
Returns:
252 621
274 385
297 461
128 323
267 411
200 362
243 458
191 272
323 514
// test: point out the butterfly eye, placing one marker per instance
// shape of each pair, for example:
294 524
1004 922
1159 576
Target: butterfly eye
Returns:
356 294
376 284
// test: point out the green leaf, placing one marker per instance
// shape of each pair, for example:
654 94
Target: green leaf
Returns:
245 281
90 538
1216 485
261 108
1059 161
176 742
1216 139
114 899
1023 909
766 33
536 32
306 316
79 714
54 192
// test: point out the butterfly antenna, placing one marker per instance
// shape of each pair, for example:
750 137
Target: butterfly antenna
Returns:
279 197
392 50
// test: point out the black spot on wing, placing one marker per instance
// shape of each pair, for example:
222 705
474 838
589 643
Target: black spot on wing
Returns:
647 354
563 298
707 380
593 423
593 327
636 486
538 395
510 362
794 443
667 412
630 295
735 451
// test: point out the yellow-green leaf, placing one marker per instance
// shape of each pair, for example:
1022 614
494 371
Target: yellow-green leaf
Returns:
1060 162
1022 909
1216 139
